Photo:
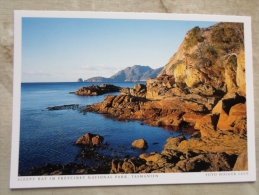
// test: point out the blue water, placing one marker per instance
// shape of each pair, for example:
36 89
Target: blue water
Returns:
49 136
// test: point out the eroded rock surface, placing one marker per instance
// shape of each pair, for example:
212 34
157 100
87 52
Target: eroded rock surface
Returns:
139 90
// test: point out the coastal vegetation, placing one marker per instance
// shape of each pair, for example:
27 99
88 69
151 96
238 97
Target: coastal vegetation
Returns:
202 89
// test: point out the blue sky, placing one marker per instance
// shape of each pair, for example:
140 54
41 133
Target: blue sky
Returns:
65 49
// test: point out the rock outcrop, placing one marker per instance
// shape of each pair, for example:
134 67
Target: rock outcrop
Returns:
95 90
175 162
139 90
64 107
203 86
90 140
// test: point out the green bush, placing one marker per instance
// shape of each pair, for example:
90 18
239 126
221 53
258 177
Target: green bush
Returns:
206 55
227 38
194 37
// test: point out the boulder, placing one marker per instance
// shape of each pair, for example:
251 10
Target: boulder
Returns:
97 140
229 121
207 125
140 144
172 143
90 139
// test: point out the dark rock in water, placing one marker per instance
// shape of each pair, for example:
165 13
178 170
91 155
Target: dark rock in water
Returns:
64 107
95 90
90 139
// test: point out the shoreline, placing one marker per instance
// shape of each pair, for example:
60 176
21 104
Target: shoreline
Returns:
172 159
202 86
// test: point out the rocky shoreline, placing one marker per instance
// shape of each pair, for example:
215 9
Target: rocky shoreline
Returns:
203 87
95 90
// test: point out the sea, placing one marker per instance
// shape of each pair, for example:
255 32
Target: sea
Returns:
49 136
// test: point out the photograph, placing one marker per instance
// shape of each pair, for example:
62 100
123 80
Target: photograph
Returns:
131 98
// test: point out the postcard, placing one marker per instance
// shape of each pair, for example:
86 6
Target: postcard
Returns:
105 98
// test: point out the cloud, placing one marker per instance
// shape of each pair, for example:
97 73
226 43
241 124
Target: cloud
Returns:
38 73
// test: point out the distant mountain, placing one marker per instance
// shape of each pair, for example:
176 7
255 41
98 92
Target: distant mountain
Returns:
98 79
134 73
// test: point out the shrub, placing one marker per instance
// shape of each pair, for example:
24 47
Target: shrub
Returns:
206 55
227 37
194 37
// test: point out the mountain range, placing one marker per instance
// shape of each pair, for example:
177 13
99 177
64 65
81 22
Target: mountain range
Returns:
134 73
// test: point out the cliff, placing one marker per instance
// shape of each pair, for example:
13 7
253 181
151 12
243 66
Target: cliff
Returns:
203 87
209 62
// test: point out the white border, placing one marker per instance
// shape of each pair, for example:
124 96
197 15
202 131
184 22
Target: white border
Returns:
131 179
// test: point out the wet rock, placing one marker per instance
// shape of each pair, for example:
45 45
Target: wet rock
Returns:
64 107
140 144
95 90
97 140
90 139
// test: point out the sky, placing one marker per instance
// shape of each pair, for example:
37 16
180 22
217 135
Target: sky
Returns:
65 49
